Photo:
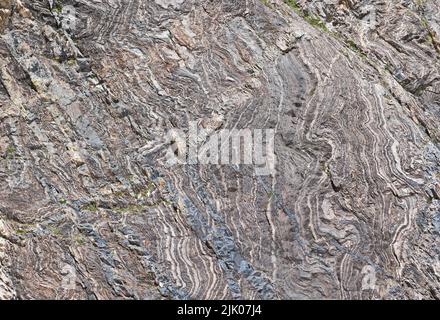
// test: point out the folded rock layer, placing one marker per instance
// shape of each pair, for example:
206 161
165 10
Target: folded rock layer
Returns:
88 209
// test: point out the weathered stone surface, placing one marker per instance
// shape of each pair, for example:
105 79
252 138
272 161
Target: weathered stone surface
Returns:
5 12
88 212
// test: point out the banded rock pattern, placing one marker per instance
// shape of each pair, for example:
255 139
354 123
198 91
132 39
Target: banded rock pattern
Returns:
88 212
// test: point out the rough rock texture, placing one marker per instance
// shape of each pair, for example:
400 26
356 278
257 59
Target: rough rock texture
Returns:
351 87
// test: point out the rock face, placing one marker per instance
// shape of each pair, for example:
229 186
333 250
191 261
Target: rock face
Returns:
5 12
89 211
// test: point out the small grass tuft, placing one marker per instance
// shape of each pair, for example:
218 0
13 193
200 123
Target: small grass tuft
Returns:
267 3
313 21
92 207
10 151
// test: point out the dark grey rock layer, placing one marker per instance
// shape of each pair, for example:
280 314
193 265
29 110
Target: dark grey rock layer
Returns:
351 88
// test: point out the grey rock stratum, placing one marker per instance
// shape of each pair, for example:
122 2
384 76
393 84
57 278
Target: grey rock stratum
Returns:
351 89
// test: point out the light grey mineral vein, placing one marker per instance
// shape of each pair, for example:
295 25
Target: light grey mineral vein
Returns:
95 93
